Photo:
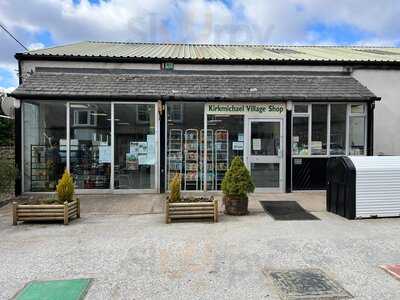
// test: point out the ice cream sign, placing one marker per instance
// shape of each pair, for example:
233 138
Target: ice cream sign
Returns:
255 109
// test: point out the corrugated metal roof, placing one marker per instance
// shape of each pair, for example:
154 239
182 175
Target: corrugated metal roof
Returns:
206 52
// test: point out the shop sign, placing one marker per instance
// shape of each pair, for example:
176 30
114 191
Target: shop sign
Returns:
254 109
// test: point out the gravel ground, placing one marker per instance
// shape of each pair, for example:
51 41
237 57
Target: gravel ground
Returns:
140 257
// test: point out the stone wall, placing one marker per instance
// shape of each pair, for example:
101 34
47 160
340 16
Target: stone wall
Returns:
7 152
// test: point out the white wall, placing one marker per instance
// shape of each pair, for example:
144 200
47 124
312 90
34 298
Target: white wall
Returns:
384 84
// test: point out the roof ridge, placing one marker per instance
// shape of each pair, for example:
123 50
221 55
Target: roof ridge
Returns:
236 45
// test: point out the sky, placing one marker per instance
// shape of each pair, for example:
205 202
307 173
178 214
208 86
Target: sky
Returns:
45 23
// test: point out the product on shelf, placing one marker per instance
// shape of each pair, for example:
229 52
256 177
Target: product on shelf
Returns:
174 155
221 155
191 159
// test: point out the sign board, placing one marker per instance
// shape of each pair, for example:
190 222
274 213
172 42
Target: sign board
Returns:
256 144
251 109
169 66
237 146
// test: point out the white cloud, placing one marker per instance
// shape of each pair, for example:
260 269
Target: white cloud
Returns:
36 46
6 90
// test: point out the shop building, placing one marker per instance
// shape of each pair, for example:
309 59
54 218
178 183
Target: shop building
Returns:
125 117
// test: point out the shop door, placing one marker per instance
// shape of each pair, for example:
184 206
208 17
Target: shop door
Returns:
265 154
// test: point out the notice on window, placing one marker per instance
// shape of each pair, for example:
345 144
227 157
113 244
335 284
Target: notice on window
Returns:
131 162
256 144
104 154
296 139
241 137
316 145
237 146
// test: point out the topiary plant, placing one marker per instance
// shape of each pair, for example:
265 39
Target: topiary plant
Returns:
237 182
65 188
175 188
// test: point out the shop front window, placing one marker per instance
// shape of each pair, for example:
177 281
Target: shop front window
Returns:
225 140
336 134
90 145
338 129
319 129
300 135
185 130
357 135
134 146
44 144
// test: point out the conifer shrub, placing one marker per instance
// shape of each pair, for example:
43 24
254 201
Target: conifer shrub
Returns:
237 182
175 188
65 188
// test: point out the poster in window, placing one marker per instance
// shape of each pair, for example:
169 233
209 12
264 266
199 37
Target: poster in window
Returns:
256 144
142 147
131 162
237 146
104 154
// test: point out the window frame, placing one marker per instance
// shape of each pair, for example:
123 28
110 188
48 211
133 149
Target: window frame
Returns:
69 126
88 123
349 114
138 112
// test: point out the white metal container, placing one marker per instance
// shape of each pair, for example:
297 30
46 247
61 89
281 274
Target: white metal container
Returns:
377 186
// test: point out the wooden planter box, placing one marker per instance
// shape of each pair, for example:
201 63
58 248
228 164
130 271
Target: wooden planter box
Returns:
191 210
46 212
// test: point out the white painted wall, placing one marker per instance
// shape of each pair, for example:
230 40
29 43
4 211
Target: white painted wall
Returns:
384 84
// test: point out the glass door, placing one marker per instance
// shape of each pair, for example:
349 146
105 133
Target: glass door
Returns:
265 154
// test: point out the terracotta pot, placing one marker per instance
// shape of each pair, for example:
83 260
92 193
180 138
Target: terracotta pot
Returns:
236 206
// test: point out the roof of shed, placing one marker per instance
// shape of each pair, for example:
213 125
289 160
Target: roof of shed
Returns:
216 53
209 87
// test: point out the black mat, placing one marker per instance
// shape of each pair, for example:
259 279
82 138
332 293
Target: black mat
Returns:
286 211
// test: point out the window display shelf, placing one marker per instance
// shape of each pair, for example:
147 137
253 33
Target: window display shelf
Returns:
191 159
210 159
221 155
43 178
174 157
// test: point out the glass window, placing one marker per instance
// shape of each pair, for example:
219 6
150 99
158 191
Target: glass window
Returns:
134 148
265 175
319 129
357 108
300 135
175 112
265 137
301 108
44 144
357 135
143 113
90 146
185 143
338 129
225 141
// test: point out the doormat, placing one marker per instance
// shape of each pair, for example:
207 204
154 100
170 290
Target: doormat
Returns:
287 211
393 270
74 289
306 284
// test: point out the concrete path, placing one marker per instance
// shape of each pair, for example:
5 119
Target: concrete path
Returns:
139 204
140 257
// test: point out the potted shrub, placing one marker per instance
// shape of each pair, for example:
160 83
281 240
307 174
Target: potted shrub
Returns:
178 207
237 183
64 207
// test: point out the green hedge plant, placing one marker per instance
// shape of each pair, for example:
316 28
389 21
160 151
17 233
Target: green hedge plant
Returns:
237 182
8 172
